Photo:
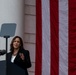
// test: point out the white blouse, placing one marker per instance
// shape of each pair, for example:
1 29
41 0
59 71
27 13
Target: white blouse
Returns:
13 58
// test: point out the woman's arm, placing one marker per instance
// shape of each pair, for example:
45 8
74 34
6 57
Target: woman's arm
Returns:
27 60
24 60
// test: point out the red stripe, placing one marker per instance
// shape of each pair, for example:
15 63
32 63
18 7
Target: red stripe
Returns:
72 37
38 64
54 37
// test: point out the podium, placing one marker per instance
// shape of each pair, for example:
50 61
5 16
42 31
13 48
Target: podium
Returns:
12 69
2 68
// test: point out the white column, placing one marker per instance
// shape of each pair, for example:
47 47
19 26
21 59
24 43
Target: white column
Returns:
11 11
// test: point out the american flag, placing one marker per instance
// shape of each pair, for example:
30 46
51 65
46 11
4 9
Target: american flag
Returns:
55 37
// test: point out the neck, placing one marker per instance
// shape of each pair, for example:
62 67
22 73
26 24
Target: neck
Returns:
15 51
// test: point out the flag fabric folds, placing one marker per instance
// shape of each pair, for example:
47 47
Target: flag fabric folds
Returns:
55 37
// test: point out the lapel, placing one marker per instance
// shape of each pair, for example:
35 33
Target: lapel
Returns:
17 57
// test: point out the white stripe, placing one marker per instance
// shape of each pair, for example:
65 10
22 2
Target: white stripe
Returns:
63 37
45 37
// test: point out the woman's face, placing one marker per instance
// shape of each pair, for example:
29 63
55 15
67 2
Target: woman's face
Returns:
16 43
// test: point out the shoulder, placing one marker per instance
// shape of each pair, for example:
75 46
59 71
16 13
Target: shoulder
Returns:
25 52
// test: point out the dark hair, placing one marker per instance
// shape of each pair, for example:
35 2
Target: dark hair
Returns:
21 42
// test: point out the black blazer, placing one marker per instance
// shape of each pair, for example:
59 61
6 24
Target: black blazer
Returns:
24 64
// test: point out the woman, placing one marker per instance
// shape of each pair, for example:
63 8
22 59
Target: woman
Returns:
18 54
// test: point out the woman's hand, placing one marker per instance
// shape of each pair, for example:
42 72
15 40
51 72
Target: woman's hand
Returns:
22 56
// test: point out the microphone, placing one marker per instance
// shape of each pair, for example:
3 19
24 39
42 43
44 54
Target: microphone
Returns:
2 52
